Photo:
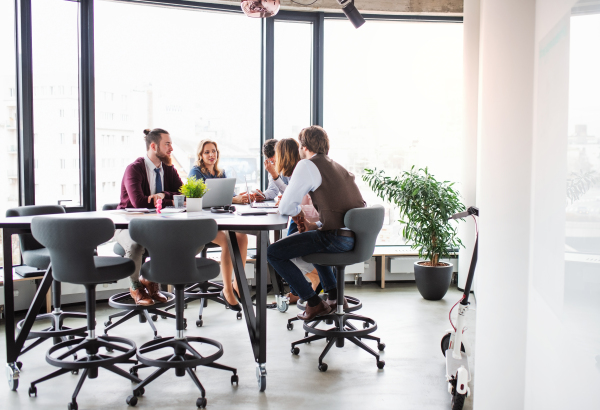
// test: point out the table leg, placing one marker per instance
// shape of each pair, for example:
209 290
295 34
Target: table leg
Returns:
12 353
256 322
382 271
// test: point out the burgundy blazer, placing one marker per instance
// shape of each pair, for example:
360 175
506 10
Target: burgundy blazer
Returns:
135 188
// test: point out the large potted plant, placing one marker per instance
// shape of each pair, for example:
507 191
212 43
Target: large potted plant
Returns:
194 189
425 206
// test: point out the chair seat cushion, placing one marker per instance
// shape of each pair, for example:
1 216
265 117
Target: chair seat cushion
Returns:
112 269
207 269
37 258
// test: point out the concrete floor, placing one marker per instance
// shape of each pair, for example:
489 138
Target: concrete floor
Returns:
413 377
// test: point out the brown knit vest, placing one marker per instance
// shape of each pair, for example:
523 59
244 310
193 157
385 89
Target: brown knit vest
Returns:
337 194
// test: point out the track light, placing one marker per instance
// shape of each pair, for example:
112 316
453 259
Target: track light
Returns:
260 8
352 13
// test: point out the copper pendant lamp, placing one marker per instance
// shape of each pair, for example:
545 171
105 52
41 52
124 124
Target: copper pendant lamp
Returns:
260 8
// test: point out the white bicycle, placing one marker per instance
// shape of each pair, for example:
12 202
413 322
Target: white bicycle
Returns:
455 345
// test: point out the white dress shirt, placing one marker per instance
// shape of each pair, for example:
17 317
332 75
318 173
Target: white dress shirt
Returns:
150 167
306 178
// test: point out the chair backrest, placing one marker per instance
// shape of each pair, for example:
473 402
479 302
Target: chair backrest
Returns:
366 224
72 243
26 241
109 207
173 245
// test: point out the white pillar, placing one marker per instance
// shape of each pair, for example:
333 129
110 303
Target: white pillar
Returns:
466 230
504 184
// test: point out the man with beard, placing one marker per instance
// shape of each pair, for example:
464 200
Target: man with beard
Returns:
333 193
146 180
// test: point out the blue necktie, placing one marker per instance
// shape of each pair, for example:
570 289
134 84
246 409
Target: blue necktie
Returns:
159 188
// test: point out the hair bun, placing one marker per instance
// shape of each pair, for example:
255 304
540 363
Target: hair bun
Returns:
147 131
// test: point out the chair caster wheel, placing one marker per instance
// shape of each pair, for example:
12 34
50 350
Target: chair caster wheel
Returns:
72 406
201 403
163 317
290 326
131 400
185 323
295 350
75 372
109 349
107 323
239 316
323 367
235 379
139 392
185 305
199 323
380 364
19 365
365 325
154 318
32 391
133 372
381 346
142 319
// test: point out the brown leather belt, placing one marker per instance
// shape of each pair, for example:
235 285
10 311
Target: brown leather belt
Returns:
343 232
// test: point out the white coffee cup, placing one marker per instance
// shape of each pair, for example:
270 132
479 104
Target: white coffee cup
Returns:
178 201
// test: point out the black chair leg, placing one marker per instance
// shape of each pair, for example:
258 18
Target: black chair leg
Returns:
326 350
364 346
196 381
84 376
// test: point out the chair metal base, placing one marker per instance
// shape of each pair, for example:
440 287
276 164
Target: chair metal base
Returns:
183 359
57 331
343 330
354 304
90 362
130 310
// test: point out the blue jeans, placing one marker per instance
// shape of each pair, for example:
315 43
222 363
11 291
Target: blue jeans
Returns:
280 253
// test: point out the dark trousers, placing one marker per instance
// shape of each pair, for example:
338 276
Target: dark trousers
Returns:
281 252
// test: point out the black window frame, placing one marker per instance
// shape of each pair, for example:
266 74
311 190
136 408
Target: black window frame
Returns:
87 137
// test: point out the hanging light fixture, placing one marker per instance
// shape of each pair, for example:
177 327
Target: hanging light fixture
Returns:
260 8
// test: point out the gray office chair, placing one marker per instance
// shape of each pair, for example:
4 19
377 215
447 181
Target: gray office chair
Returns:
37 256
72 243
174 245
124 302
366 224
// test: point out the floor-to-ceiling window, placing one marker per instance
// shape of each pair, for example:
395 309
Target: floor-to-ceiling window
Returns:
56 102
195 74
292 77
9 161
393 99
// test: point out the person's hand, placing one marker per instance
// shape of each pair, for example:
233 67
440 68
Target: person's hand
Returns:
300 221
155 197
270 168
310 226
258 197
241 199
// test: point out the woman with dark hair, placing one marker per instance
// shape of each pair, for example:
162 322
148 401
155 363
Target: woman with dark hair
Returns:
287 157
207 167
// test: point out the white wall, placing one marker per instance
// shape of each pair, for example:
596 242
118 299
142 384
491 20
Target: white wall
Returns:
538 327
504 148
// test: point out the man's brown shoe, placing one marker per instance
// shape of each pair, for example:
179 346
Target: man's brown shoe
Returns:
333 304
312 312
141 296
153 291
293 299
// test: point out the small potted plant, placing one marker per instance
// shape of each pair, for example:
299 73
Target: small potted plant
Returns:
194 189
425 206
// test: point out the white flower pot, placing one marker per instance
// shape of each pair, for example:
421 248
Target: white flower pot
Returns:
194 204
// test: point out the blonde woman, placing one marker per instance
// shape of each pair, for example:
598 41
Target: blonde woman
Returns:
206 167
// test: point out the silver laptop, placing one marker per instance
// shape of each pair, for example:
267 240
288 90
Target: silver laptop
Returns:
220 192
258 204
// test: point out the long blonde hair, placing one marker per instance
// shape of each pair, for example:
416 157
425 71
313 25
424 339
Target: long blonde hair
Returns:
200 163
286 156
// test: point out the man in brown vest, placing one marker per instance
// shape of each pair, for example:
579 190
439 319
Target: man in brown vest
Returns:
333 192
